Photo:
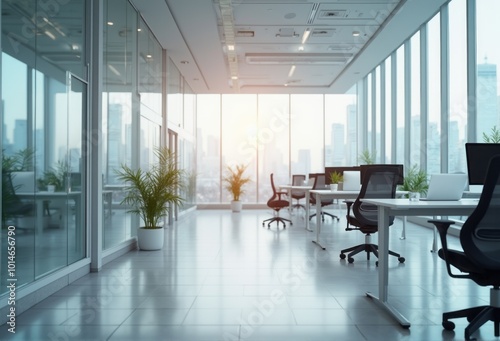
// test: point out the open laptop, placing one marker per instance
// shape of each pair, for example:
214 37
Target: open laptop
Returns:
351 181
444 187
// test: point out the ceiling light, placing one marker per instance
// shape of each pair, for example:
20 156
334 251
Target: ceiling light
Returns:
114 70
139 29
301 48
230 47
355 33
50 35
292 70
305 36
234 77
184 62
110 23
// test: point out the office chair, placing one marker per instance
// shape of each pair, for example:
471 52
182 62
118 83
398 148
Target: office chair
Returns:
379 182
320 183
297 194
480 258
276 203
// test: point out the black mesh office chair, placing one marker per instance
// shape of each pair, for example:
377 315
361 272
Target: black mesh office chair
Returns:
297 194
378 182
320 183
480 258
276 203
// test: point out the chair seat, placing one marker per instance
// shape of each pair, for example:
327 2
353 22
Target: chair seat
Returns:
278 204
459 260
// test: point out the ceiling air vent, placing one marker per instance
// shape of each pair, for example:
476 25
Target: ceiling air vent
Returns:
333 14
323 32
297 58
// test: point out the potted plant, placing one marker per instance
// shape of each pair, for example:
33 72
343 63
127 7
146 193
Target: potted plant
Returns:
151 195
366 157
415 183
235 180
335 179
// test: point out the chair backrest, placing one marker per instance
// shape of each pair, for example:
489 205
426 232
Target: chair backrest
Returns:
480 234
9 197
298 180
378 183
275 195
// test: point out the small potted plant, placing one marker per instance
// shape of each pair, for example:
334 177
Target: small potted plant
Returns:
335 179
415 183
152 194
235 180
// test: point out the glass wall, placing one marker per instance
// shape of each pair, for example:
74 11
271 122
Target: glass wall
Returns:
280 134
43 117
434 95
488 59
120 105
457 118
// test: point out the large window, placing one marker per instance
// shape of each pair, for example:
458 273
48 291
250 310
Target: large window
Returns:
434 95
457 86
488 59
415 100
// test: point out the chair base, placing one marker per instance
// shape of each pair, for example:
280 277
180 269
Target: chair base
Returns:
323 216
368 248
477 316
278 220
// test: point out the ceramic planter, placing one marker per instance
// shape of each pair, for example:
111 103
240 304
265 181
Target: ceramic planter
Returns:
150 239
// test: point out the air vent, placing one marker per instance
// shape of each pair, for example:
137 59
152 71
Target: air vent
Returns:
323 32
287 33
245 34
297 58
333 14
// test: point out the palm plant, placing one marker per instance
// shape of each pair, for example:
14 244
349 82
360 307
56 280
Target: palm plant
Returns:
153 192
415 181
336 177
235 180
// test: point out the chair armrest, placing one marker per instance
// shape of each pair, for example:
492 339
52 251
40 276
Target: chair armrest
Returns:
442 226
349 204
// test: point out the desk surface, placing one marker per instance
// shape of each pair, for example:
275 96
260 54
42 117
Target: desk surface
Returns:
422 205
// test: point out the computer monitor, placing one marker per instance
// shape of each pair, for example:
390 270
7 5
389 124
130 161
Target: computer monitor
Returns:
478 158
398 166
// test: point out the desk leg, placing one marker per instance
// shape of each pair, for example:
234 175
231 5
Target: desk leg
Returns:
383 268
403 233
318 221
308 214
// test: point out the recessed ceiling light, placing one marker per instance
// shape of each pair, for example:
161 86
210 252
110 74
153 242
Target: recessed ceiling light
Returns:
184 62
234 77
355 33
110 23
301 48
230 47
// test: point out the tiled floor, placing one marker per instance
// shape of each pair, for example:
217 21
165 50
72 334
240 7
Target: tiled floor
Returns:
222 276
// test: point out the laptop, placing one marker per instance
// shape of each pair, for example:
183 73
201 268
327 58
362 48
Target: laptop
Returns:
351 181
446 187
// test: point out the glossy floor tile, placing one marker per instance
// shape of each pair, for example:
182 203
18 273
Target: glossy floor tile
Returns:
222 276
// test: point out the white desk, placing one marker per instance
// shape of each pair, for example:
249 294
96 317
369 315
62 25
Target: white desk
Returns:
40 197
324 194
404 207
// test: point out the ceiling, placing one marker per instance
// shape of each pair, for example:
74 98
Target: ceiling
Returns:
347 38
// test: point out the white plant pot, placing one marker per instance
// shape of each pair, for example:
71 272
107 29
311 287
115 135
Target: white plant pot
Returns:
236 206
150 239
334 187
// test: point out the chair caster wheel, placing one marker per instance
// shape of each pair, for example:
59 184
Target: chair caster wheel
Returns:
376 263
350 260
401 259
448 325
342 256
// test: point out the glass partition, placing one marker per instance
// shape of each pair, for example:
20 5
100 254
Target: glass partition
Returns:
43 115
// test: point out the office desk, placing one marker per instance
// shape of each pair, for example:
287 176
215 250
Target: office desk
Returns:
324 194
404 207
40 197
